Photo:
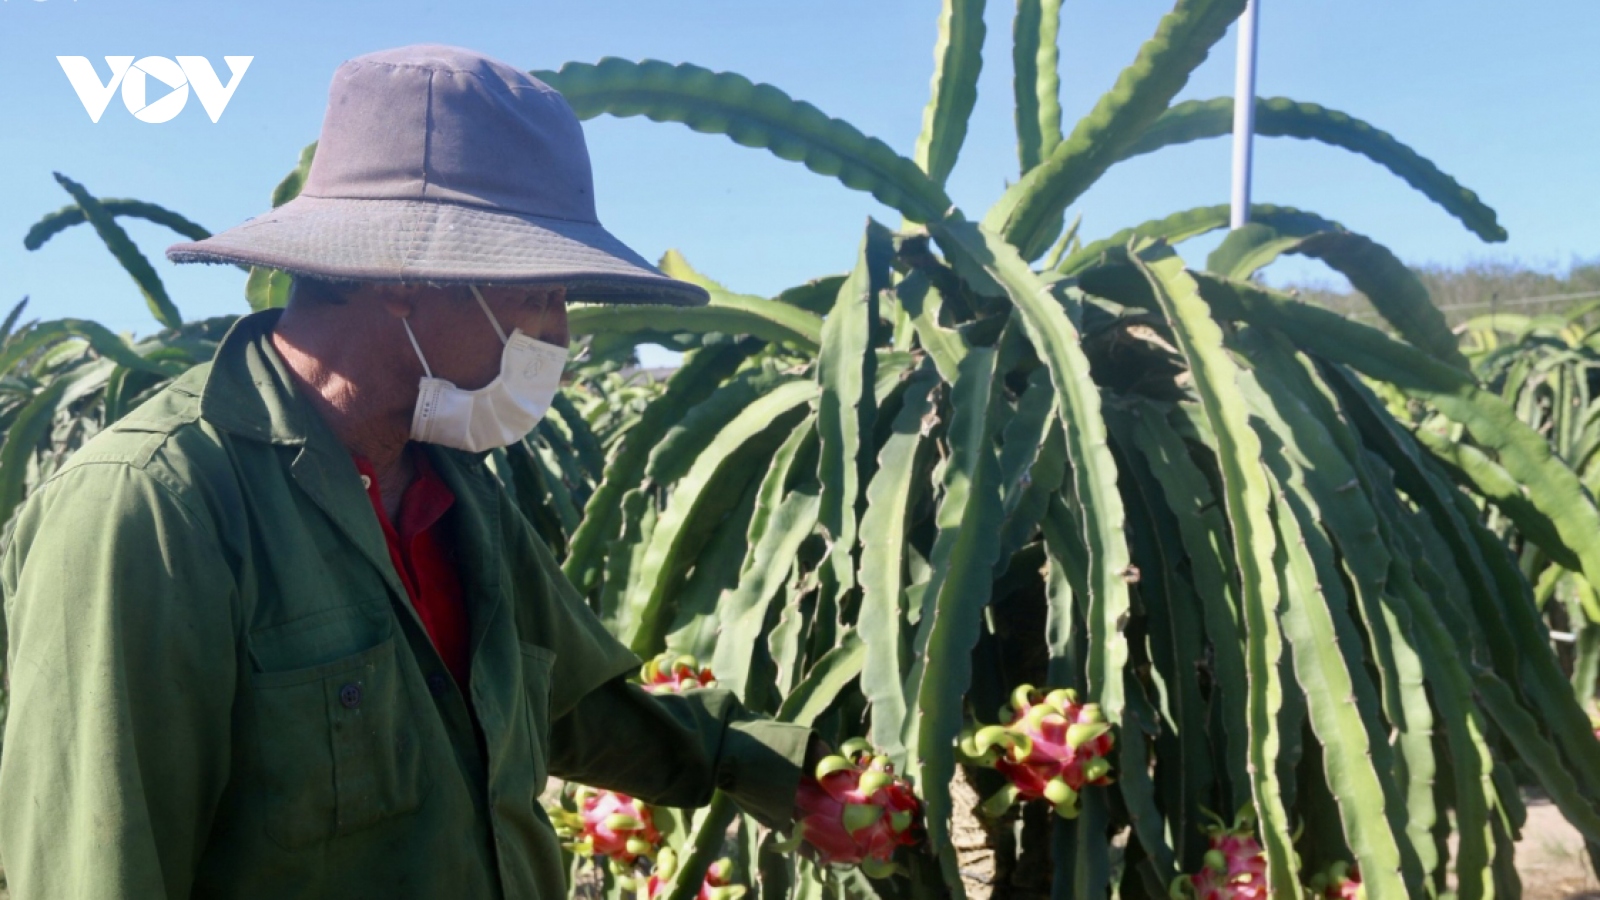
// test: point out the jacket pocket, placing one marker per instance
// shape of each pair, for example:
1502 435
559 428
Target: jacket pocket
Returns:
536 665
339 747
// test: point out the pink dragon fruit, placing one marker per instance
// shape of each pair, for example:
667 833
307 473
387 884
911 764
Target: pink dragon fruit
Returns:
1235 866
1050 746
1342 881
608 824
717 885
675 674
856 811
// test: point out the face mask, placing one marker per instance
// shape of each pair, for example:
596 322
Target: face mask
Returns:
501 412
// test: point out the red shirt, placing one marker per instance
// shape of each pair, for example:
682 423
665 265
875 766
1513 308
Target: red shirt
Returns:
422 555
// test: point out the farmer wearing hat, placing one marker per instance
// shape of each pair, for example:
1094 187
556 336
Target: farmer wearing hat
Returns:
279 632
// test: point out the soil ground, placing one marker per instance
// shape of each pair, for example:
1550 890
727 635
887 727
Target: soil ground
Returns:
1551 857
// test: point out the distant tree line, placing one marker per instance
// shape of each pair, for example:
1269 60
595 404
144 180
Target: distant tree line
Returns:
1478 289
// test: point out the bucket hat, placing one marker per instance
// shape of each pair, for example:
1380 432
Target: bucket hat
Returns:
438 164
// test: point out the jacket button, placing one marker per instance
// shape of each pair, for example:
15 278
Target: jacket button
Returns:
350 695
437 684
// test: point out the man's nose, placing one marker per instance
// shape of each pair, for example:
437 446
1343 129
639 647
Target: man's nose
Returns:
554 320
559 334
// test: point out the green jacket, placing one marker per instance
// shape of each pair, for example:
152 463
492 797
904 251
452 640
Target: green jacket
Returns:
218 687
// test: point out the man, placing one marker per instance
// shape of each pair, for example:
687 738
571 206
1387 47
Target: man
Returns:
279 632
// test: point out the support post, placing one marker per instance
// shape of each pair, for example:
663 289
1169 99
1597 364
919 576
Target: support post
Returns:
1244 114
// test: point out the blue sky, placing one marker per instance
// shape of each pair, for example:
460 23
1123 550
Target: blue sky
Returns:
1503 100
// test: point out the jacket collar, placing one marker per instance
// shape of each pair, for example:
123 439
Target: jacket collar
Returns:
249 391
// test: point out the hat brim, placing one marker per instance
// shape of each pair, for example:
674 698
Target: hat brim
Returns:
440 242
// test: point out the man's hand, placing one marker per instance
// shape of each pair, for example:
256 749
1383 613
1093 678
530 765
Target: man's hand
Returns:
859 813
815 753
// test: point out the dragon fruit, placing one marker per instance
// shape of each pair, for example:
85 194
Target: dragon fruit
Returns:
856 811
608 824
717 885
675 674
1235 866
1050 746
1342 881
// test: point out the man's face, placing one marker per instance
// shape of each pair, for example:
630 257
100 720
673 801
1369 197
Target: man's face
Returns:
457 339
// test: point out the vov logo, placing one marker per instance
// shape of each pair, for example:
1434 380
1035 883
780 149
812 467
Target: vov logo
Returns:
134 78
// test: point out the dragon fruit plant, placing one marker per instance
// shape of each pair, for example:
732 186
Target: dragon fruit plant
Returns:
1028 394
675 673
1235 865
856 811
1051 746
718 884
1341 881
608 824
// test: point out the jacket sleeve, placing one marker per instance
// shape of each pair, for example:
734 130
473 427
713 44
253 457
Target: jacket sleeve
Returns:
674 749
668 749
121 666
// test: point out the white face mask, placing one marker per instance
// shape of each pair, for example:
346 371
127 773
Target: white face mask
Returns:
501 412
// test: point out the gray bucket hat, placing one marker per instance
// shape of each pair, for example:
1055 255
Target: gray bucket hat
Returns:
438 164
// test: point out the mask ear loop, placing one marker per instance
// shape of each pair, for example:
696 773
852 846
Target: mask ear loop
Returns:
415 346
495 322
492 321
